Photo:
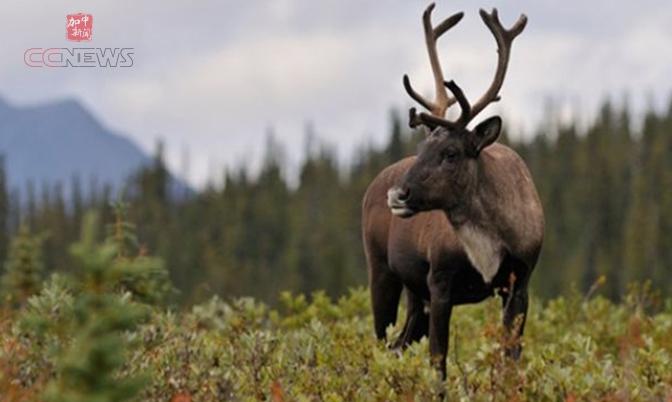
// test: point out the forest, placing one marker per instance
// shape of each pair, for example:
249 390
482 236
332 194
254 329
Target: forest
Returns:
606 190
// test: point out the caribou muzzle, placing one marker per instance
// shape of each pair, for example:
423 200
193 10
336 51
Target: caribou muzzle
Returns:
397 200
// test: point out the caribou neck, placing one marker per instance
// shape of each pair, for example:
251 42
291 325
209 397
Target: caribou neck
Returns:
471 212
458 215
472 207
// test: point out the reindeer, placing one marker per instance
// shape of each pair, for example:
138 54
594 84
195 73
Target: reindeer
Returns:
460 221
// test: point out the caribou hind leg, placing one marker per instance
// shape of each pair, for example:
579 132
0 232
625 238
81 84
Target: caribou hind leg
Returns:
514 303
515 306
386 290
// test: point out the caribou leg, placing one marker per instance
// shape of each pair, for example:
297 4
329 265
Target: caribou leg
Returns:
440 310
385 294
417 321
514 304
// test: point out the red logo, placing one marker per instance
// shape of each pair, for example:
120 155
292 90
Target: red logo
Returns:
79 27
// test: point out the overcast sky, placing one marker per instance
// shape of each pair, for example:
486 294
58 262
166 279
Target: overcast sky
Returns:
212 77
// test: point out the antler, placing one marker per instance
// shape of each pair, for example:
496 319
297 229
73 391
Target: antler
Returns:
432 121
442 102
504 38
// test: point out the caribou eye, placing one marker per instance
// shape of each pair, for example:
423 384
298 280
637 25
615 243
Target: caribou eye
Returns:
449 156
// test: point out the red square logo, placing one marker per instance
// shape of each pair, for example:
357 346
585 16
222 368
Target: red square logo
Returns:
79 27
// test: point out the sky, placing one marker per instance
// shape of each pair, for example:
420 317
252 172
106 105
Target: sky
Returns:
213 78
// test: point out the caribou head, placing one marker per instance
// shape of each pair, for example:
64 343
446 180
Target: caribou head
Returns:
445 173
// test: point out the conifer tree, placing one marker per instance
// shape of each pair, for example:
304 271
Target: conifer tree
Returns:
145 277
24 269
4 211
395 149
87 367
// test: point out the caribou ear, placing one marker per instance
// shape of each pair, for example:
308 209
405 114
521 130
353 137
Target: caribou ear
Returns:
486 133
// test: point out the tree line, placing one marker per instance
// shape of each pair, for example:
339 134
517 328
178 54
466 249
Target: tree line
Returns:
606 191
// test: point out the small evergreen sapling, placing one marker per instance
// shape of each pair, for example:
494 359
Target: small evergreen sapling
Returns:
111 295
24 268
143 276
87 368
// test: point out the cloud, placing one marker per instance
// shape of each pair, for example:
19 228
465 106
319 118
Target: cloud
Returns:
237 92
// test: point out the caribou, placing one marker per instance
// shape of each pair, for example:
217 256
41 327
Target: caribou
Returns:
459 222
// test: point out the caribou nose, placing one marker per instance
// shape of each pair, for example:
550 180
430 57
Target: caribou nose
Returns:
397 195
403 194
397 200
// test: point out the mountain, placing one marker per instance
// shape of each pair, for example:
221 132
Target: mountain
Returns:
57 141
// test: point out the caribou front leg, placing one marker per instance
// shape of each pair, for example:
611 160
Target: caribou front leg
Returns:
440 310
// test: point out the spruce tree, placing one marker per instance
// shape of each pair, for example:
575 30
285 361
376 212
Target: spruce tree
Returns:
87 367
4 211
24 268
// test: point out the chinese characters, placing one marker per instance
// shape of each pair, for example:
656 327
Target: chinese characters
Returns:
79 27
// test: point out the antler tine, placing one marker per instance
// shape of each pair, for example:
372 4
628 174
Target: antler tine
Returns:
431 37
416 96
442 101
461 99
504 38
433 120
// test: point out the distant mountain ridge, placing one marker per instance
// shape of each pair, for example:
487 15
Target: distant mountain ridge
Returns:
56 141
